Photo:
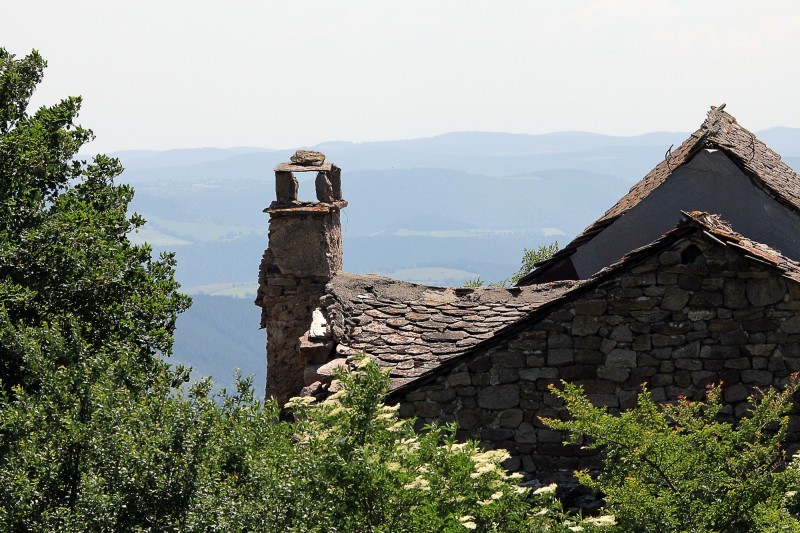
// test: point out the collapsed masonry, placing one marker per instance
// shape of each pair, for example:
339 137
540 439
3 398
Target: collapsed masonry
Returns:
696 305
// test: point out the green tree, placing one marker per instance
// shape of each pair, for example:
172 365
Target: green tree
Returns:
64 250
530 257
85 316
676 467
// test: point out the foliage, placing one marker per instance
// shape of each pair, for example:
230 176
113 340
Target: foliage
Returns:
84 454
676 467
530 257
474 283
64 250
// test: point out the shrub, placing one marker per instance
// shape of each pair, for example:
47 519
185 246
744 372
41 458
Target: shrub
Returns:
676 467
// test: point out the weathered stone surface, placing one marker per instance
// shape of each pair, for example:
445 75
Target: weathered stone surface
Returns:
459 379
286 186
621 358
584 325
736 393
689 364
674 299
315 352
307 158
329 368
669 258
508 359
324 188
533 374
765 291
559 340
791 325
689 350
591 307
622 333
443 336
526 433
499 397
618 374
641 343
560 356
701 314
757 377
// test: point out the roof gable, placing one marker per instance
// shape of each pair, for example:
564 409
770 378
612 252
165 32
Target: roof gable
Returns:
719 131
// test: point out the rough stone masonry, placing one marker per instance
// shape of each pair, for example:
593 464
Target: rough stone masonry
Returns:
692 314
304 251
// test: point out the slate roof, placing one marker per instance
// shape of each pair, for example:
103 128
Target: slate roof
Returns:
721 131
413 329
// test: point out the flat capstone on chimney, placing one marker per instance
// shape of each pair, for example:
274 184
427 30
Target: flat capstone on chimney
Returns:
304 251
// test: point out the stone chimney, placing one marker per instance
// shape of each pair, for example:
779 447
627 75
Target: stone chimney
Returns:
303 253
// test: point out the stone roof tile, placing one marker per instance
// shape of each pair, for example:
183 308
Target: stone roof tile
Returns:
413 329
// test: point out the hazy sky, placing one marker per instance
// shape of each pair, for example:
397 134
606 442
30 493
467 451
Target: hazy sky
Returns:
280 74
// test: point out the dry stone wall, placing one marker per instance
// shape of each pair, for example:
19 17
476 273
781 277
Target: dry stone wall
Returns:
694 313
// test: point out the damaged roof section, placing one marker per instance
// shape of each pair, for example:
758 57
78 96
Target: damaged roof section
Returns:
722 232
412 329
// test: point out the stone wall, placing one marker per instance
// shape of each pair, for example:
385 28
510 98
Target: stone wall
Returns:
695 313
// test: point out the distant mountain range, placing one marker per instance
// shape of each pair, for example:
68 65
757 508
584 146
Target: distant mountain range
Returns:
438 210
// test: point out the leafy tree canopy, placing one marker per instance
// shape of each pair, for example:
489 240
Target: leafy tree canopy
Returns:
64 251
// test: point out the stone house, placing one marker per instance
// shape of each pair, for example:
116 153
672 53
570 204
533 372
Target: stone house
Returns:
695 304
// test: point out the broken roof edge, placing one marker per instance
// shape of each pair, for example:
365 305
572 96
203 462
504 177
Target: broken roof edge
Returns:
713 133
710 225
351 285
410 328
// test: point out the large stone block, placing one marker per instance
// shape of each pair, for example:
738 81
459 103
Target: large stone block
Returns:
616 374
510 418
621 358
499 397
591 307
622 333
459 379
674 299
758 377
525 434
767 291
560 356
508 359
559 340
584 325
532 374
791 325
736 393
